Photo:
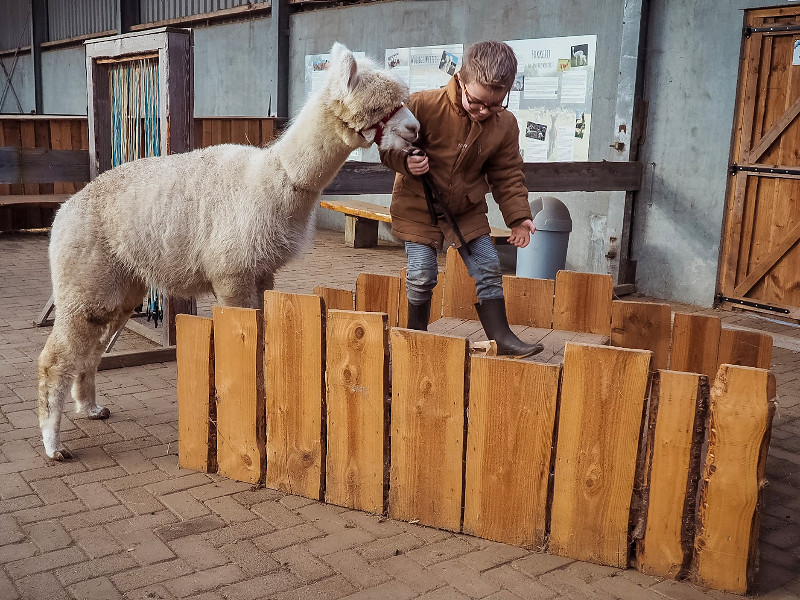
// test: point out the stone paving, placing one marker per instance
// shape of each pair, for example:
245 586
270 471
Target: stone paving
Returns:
121 520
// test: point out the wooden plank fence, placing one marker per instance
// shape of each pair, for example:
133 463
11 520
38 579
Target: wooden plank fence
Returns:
598 459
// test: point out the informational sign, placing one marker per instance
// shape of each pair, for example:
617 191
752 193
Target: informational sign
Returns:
552 97
425 67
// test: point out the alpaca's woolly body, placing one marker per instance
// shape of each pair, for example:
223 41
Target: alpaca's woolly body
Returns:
222 219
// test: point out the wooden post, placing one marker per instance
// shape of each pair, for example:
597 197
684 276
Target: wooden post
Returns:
643 325
509 446
197 408
529 301
695 344
335 298
678 405
357 375
459 295
360 232
583 302
740 421
744 348
294 360
378 293
428 406
238 374
600 421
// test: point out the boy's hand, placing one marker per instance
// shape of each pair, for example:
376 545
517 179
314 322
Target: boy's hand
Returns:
417 164
521 234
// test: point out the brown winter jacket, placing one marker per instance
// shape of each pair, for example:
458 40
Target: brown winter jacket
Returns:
466 159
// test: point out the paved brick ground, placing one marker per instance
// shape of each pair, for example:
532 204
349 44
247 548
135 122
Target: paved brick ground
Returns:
123 521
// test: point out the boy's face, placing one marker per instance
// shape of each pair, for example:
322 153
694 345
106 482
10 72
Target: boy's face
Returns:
480 100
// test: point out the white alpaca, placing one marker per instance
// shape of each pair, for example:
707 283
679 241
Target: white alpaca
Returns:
222 219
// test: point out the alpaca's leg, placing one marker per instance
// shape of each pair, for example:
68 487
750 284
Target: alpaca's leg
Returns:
238 291
61 362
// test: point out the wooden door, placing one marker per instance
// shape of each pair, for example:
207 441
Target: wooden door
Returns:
760 259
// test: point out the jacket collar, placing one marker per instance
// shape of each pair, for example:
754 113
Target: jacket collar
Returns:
454 94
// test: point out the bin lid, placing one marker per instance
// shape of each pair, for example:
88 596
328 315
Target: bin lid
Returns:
550 214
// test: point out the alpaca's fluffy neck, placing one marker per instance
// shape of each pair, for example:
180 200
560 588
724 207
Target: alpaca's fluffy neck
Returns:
313 148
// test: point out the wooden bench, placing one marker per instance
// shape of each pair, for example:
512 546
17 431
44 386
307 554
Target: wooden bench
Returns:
362 218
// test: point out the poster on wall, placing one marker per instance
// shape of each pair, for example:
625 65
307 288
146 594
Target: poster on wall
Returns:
552 97
425 67
316 72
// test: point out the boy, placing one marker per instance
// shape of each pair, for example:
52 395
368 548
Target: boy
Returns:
470 145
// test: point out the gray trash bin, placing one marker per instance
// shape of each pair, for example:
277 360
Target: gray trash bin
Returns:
546 254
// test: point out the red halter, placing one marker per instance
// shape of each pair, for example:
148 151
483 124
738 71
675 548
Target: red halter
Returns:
381 125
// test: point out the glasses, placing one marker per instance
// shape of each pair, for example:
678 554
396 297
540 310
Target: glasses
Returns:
480 106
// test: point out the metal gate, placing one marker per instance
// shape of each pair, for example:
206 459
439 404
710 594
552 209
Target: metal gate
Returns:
760 258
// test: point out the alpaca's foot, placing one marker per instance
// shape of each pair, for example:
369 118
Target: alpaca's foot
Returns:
98 412
61 454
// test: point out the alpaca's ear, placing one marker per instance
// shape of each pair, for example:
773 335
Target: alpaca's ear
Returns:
346 66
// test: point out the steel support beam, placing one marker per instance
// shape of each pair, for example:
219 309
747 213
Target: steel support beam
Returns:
39 34
279 32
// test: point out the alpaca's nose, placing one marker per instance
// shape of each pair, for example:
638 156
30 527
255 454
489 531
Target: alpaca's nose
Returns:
412 133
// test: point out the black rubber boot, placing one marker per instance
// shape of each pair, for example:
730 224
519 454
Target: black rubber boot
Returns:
419 315
492 314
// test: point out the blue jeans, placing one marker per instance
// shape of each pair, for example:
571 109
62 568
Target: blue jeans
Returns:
483 265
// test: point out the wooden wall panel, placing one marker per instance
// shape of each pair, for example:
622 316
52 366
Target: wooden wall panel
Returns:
197 408
529 301
379 293
600 420
294 360
335 298
509 449
583 302
744 348
357 375
238 375
458 295
428 413
695 344
740 421
678 406
643 325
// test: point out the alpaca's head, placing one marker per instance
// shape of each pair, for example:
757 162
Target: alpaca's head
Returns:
369 102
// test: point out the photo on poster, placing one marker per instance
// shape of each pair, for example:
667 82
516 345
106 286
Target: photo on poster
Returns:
519 83
536 131
580 123
563 64
319 64
579 55
449 62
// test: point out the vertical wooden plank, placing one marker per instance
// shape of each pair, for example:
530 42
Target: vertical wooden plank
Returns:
695 344
744 348
42 140
268 132
678 407
335 298
378 293
740 421
643 325
600 420
436 300
208 132
239 131
12 137
583 302
197 409
28 138
529 301
509 446
428 404
294 360
357 375
238 375
458 296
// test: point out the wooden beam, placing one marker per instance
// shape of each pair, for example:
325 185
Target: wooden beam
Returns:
134 358
428 417
197 408
643 325
740 421
238 375
600 420
294 362
357 376
42 165
509 446
678 406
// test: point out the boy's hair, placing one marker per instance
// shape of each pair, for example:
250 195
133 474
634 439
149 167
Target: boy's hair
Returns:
493 64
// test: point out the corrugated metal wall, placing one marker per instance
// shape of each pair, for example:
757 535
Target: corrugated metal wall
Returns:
72 18
156 10
15 25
